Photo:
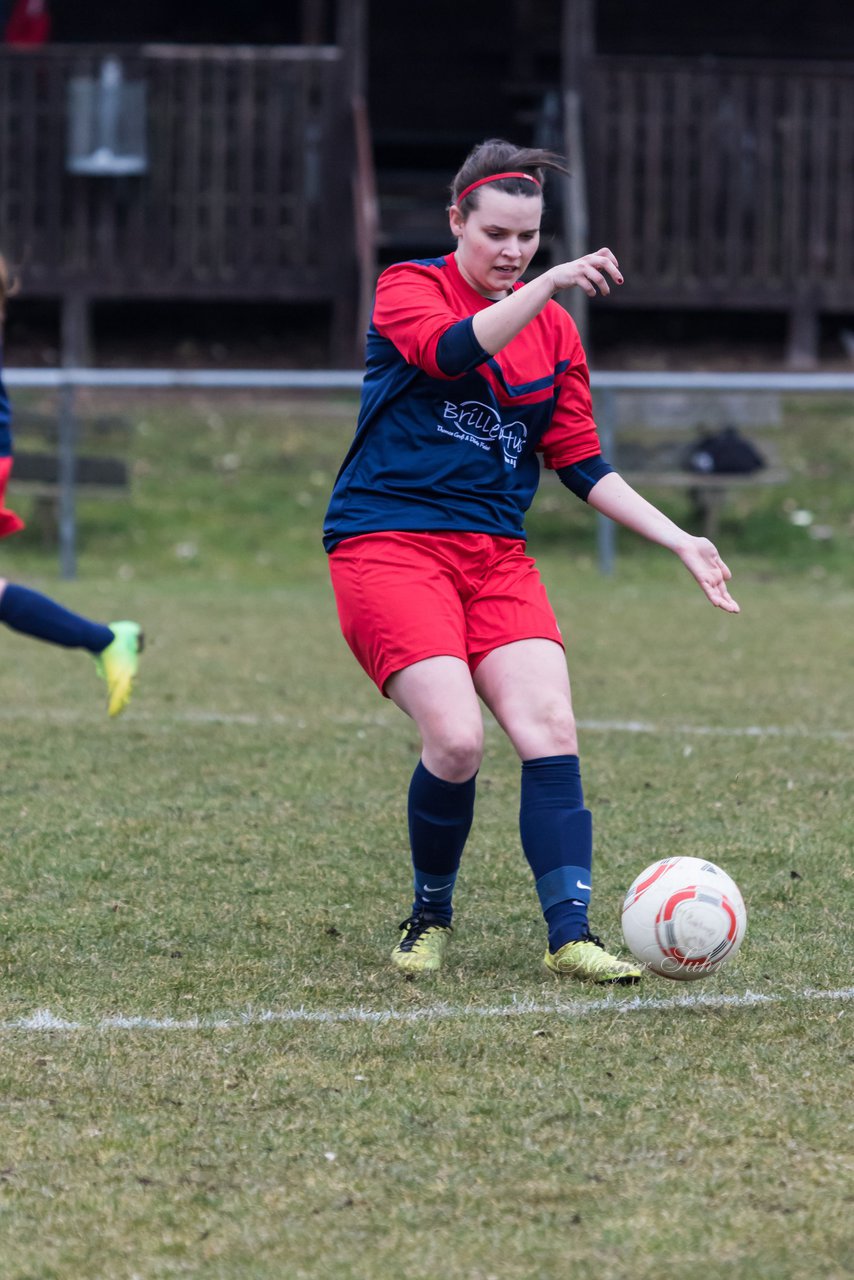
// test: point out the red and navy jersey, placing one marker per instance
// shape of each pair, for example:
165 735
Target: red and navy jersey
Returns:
449 437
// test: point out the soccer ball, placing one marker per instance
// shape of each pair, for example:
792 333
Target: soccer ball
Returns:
683 918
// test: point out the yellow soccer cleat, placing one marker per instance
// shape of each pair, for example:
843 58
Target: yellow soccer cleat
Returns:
587 960
118 663
422 944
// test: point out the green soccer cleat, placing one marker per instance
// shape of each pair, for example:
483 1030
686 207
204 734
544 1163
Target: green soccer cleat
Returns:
587 960
117 664
422 944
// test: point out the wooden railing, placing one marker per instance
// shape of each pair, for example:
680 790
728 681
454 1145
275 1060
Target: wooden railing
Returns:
246 190
724 184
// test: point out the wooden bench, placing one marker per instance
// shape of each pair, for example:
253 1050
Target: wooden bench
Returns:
650 463
36 471
650 434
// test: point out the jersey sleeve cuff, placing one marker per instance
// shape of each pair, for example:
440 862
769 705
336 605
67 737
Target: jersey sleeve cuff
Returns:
458 350
580 477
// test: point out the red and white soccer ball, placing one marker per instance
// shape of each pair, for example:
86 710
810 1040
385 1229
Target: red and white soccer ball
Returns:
683 918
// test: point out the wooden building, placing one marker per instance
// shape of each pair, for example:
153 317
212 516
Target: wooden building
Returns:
179 171
287 155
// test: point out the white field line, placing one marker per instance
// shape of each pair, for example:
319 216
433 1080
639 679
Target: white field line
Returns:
716 731
42 1020
246 719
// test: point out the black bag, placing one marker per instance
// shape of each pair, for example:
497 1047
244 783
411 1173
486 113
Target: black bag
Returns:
725 453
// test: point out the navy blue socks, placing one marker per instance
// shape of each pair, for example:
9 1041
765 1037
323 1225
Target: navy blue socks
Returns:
37 615
440 818
556 831
557 837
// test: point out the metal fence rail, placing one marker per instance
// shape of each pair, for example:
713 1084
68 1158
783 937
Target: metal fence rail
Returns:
351 379
605 386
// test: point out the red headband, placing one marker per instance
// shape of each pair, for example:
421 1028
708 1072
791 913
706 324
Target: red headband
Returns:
494 177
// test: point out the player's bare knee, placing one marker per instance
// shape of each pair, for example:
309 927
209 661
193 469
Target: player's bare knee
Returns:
558 730
457 756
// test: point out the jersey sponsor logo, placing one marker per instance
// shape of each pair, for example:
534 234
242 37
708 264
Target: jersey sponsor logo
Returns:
481 424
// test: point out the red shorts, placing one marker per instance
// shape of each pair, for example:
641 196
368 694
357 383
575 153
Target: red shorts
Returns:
9 522
404 597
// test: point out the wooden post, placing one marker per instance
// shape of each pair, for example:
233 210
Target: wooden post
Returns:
575 222
352 37
366 213
75 330
347 311
578 41
578 47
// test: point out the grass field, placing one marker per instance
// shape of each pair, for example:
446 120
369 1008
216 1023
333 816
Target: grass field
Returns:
207 1065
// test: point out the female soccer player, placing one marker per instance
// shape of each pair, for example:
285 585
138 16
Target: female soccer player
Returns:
116 647
471 376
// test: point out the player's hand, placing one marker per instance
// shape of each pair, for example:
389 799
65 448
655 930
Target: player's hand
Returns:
700 557
589 273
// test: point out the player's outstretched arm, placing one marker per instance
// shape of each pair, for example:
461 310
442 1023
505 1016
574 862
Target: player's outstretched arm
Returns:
613 497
